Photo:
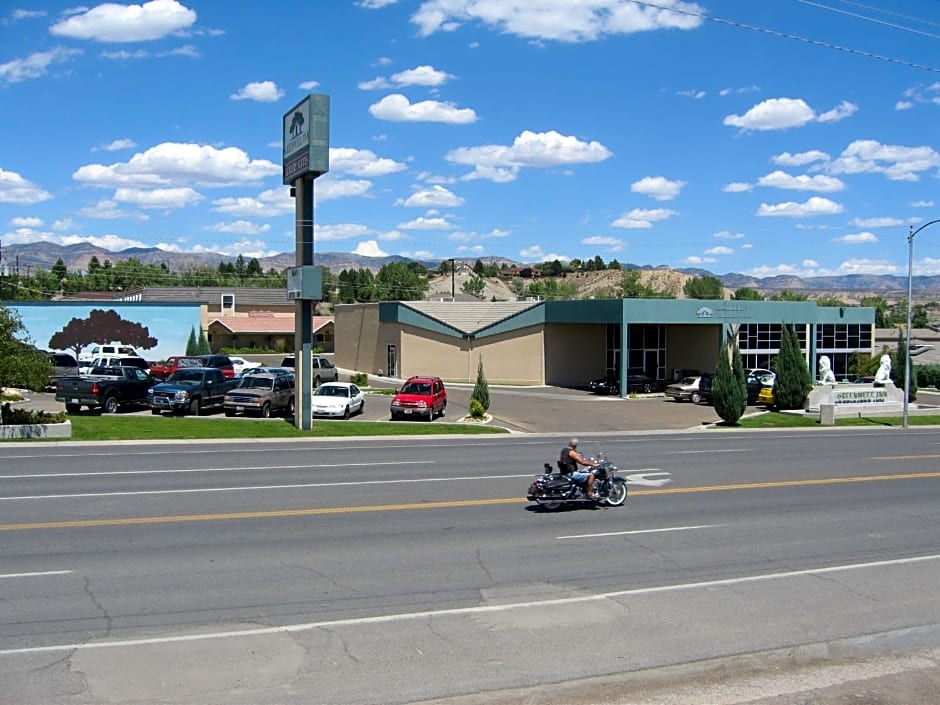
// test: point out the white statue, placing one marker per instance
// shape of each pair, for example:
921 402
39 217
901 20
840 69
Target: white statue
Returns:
826 375
883 375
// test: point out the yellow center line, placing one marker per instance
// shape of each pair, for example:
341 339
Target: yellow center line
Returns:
281 513
906 457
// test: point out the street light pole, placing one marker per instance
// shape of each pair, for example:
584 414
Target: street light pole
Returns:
908 367
453 279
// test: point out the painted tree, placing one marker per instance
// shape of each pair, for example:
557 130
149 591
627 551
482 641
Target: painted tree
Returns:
729 388
101 327
793 380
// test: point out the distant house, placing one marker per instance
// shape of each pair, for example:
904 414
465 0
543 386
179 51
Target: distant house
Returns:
263 329
521 272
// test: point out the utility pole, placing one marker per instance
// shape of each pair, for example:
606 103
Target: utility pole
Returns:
453 279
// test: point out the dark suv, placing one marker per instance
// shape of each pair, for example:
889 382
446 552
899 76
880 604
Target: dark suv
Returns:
421 397
220 362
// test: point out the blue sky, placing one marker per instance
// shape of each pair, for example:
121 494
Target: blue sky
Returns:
762 137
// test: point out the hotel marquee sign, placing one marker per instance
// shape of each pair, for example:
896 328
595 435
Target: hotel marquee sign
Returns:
307 138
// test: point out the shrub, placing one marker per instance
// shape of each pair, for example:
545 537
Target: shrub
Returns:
476 409
360 379
793 382
24 417
481 390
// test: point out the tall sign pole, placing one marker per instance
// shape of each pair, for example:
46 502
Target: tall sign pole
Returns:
306 156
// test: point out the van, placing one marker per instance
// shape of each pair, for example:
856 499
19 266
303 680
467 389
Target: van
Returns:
100 349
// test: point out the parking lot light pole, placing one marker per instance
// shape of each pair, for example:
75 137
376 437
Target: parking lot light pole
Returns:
908 367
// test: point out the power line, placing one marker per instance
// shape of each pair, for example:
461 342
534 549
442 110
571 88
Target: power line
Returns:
784 35
892 14
868 19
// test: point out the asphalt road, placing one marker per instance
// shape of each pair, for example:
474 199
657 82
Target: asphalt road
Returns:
402 570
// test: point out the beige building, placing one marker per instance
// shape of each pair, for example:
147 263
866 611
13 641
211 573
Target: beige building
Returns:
567 343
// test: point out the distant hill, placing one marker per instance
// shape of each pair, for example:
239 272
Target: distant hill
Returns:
850 287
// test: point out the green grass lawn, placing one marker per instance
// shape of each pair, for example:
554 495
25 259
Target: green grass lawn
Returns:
115 428
775 419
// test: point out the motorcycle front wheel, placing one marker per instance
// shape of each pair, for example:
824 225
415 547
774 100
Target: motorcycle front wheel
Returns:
617 494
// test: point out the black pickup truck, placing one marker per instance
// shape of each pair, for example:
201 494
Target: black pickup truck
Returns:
190 390
105 388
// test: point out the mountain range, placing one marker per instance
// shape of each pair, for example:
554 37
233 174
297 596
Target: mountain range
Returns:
43 255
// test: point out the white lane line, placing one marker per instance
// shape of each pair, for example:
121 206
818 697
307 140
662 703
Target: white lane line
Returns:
35 575
640 531
247 488
207 470
714 450
461 611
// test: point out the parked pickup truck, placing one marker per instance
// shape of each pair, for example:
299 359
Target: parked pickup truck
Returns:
189 391
172 364
106 388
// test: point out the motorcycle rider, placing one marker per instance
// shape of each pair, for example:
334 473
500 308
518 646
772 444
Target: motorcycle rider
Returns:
569 461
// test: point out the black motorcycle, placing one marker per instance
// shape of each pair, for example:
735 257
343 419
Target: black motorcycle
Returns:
552 489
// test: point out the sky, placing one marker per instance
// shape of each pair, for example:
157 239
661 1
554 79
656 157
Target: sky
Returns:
761 137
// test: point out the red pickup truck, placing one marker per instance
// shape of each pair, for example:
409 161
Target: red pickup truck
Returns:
173 363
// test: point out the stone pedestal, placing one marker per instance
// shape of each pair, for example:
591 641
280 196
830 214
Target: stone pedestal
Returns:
834 401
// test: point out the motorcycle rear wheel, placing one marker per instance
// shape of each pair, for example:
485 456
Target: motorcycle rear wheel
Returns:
617 494
549 506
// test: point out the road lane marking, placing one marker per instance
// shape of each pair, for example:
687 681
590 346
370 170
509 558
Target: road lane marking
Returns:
280 513
641 531
35 575
465 611
931 456
715 450
103 473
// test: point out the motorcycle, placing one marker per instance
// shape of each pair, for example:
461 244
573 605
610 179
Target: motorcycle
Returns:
552 489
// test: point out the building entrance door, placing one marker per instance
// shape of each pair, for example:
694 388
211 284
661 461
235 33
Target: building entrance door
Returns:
392 361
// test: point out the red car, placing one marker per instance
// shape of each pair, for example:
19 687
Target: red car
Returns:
173 363
421 397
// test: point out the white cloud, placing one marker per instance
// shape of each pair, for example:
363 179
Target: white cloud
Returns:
15 189
903 105
738 187
369 248
801 158
267 204
657 187
329 189
640 218
64 224
922 204
423 223
27 14
239 227
158 198
473 249
549 19
187 50
173 163
308 85
498 175
895 162
468 237
820 183
247 248
362 162
107 209
116 145
377 83
774 114
433 197
530 149
814 206
721 250
376 4
339 231
124 54
34 65
877 222
696 260
25 222
535 254
697 95
613 244
737 91
842 111
260 91
857 238
418 254
397 108
111 22
728 235
421 76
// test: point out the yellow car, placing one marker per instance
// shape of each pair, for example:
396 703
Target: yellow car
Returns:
766 396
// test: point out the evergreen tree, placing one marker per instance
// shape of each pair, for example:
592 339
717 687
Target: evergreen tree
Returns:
729 388
746 293
192 343
203 345
481 390
793 379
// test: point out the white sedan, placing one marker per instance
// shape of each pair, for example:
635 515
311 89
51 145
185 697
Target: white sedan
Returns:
241 364
342 399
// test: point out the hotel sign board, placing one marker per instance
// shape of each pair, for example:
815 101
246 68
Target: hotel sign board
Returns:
307 138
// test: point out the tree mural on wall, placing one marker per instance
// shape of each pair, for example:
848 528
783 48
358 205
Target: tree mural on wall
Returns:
101 327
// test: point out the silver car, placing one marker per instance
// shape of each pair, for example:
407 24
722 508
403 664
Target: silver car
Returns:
687 389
